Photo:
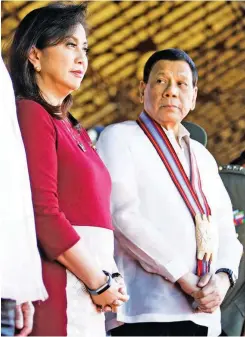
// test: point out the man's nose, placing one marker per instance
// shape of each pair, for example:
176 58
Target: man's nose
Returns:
171 90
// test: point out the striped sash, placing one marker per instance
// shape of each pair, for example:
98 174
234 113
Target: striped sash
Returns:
189 189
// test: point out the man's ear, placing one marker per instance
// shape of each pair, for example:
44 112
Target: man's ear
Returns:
142 90
34 58
194 98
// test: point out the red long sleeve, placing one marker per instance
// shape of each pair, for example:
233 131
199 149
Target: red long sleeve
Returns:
55 233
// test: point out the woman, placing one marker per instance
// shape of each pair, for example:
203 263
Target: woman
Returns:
70 185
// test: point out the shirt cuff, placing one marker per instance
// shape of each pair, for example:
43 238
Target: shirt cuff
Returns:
174 270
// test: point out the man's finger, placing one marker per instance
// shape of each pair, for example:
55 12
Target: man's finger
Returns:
203 281
207 311
209 305
25 331
19 321
204 301
202 293
27 311
206 290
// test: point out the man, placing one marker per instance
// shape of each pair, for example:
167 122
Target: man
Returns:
172 215
21 278
233 307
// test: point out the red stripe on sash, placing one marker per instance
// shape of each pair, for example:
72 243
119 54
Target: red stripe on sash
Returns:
159 151
178 163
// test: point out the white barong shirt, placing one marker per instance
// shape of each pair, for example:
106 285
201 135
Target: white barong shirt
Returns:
155 241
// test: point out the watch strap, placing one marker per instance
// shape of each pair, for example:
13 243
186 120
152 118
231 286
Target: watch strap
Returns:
103 288
114 275
229 273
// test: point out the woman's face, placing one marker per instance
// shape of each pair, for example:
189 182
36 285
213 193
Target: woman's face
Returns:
64 65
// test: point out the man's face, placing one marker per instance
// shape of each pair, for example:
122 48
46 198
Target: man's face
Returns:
169 93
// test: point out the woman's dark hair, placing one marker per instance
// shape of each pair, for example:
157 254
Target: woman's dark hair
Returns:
170 54
42 27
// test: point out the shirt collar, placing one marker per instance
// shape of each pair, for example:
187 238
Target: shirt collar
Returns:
183 133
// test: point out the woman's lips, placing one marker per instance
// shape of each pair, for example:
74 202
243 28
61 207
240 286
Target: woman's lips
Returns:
77 73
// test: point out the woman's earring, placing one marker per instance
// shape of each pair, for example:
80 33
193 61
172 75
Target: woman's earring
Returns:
141 98
38 69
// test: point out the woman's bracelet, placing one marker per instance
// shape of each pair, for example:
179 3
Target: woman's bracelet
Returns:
103 288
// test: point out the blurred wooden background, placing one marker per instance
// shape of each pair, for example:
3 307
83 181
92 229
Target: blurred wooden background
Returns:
123 34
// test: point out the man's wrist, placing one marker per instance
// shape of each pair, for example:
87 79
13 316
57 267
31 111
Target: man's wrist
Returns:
184 278
228 275
223 276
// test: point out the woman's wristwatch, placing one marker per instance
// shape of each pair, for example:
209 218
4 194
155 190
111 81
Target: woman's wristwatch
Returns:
103 288
116 277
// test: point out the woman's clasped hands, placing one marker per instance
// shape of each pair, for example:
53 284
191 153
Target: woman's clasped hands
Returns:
112 298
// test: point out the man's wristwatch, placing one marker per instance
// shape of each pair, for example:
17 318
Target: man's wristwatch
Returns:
103 288
231 275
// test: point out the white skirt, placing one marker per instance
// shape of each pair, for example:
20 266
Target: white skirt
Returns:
82 316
